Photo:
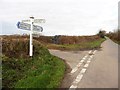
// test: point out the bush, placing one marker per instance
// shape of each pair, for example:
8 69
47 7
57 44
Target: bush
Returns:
115 36
102 33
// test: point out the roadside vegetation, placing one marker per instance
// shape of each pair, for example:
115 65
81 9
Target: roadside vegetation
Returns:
21 71
115 36
69 42
77 43
42 70
80 46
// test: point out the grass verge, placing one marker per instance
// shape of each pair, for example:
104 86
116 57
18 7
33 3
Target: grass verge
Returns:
116 41
41 71
82 46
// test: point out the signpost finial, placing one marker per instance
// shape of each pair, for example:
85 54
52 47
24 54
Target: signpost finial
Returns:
32 17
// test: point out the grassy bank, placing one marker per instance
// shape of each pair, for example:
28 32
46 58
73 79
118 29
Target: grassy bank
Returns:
82 46
115 36
21 71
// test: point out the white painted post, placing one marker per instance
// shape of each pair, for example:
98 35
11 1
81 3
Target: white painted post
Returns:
31 31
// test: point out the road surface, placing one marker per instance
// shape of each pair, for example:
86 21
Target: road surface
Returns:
91 69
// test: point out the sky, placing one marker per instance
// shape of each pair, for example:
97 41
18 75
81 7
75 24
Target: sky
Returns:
63 17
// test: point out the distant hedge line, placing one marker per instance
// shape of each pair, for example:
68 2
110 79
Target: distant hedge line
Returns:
60 39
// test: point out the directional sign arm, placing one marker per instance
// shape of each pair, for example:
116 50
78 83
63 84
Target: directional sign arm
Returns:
26 26
35 21
18 25
25 20
39 20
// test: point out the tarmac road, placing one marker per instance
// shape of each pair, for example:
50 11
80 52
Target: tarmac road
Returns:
103 70
91 69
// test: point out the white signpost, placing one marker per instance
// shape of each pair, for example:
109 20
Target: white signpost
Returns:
31 27
31 46
27 26
35 21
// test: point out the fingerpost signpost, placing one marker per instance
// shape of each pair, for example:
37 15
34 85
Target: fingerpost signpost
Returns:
31 27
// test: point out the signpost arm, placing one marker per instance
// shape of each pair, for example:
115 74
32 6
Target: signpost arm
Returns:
31 31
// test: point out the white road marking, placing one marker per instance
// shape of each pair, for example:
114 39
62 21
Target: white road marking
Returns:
88 61
91 56
80 75
86 65
90 51
73 87
94 52
82 61
82 71
85 56
79 64
78 79
74 70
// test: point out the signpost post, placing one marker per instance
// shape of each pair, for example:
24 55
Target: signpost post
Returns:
31 27
31 46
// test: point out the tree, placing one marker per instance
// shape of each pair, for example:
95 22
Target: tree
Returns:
101 33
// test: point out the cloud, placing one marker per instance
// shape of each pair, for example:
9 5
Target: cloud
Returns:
71 17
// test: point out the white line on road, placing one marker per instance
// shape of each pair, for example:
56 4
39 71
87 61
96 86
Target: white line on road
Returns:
78 79
90 52
91 56
80 75
82 61
85 56
79 64
94 52
88 61
86 65
82 71
72 87
74 70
